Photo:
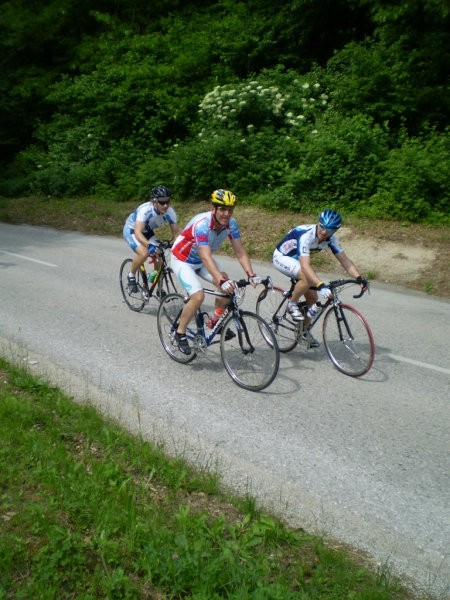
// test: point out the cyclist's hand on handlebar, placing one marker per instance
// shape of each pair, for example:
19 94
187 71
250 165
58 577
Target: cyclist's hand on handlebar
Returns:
227 286
254 280
362 282
324 291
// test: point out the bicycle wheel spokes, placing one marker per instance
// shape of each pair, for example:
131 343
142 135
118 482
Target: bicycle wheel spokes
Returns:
249 351
134 300
271 305
348 341
167 320
168 284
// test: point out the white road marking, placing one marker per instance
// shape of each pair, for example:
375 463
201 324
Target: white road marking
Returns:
41 262
418 363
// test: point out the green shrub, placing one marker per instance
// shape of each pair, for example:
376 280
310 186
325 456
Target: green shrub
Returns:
339 163
415 183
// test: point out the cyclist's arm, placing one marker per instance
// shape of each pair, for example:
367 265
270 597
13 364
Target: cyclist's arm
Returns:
209 262
242 256
348 264
308 271
174 230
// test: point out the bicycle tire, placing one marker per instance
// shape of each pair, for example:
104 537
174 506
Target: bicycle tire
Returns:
249 351
134 300
354 354
167 320
168 284
270 308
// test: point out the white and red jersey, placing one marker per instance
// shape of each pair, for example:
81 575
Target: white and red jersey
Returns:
200 232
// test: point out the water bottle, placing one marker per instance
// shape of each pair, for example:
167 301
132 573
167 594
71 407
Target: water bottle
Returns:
151 277
314 310
214 318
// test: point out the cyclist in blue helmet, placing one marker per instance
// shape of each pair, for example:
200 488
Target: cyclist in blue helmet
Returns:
292 258
139 229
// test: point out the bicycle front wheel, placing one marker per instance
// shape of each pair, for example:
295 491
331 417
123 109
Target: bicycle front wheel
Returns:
249 351
169 312
348 340
272 306
134 300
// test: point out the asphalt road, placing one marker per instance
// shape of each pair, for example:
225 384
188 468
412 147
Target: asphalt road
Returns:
365 460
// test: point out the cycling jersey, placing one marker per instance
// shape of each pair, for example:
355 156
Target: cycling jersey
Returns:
200 232
148 214
301 241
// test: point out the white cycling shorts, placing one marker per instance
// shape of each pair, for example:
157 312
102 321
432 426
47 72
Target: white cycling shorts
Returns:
286 264
189 275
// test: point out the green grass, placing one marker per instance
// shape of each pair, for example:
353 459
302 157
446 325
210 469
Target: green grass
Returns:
87 510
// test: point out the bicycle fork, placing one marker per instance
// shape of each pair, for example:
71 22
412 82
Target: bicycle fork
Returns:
345 335
242 332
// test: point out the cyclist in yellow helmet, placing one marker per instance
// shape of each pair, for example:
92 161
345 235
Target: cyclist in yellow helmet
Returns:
192 258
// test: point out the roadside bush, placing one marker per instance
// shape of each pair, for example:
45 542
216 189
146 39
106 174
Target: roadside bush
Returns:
416 182
339 163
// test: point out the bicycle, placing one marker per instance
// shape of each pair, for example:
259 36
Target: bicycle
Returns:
164 281
346 334
248 346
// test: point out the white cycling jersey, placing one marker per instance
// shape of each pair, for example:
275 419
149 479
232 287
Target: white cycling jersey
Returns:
149 214
302 240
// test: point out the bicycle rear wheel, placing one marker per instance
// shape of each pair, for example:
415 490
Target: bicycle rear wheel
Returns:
168 284
134 300
249 351
169 312
348 340
271 306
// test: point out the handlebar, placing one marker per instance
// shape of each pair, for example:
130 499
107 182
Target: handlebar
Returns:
164 244
341 282
244 282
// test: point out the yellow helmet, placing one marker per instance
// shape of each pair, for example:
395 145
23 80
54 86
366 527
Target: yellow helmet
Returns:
223 198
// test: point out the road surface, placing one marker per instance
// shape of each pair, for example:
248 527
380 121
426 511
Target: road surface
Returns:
365 461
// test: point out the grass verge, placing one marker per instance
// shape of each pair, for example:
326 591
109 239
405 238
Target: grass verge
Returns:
89 511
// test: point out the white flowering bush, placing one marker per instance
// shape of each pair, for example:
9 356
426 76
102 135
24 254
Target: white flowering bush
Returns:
251 132
253 105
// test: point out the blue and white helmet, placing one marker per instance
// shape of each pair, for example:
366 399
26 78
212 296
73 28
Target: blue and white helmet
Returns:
330 219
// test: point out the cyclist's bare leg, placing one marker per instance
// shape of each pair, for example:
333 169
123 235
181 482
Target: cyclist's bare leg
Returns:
191 306
301 287
141 255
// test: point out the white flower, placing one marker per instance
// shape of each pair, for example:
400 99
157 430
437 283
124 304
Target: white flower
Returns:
305 86
314 131
317 86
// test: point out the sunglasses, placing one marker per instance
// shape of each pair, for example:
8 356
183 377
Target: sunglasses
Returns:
163 202
329 230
